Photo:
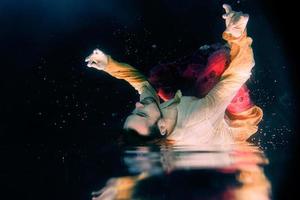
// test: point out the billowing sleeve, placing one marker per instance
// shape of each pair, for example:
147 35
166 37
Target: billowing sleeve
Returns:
237 73
132 76
214 104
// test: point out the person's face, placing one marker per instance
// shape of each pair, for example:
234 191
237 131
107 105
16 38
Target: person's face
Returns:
145 114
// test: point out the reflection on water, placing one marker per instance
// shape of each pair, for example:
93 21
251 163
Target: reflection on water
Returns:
190 172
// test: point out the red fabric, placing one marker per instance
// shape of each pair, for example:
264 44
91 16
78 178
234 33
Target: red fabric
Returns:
197 78
241 101
208 78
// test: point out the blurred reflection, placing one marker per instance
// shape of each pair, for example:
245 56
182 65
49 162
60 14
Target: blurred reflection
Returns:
191 172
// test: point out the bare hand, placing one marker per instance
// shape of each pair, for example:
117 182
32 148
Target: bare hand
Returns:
97 60
236 22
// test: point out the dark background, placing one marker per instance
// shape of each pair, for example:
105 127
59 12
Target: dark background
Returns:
60 118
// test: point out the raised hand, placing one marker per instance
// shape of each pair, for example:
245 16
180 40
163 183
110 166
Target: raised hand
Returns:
97 60
236 22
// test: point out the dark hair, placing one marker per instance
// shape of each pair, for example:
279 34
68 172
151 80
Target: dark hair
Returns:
154 132
131 136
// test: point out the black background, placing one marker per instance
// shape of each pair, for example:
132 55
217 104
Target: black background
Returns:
54 108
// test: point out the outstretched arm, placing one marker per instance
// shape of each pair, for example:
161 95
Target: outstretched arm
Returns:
103 62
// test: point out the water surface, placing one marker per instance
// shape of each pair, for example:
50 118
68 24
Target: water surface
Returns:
190 172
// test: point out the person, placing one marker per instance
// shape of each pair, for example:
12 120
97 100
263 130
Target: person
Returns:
190 119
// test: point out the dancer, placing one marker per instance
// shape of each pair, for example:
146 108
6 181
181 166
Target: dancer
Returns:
206 118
